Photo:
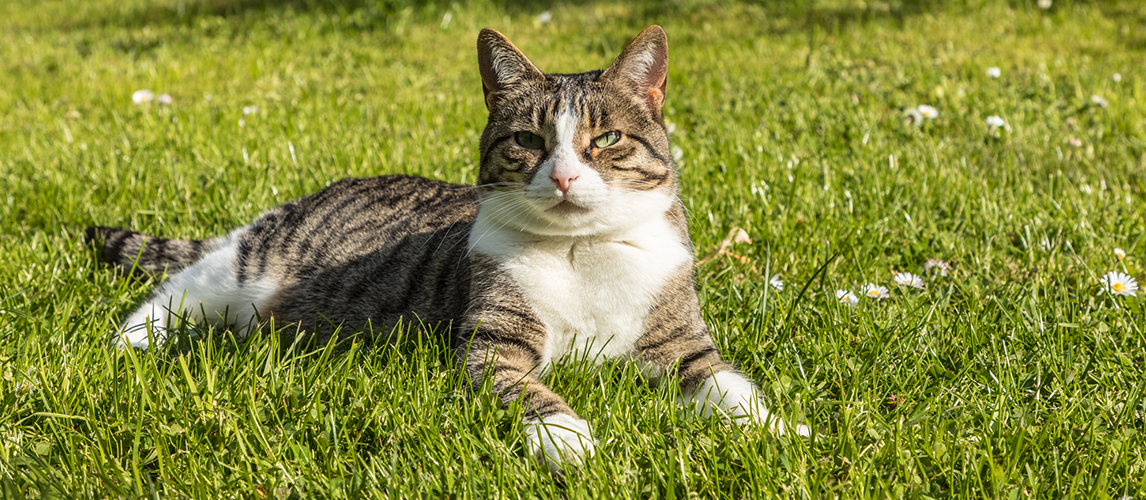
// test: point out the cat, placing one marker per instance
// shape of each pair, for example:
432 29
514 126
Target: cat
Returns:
574 243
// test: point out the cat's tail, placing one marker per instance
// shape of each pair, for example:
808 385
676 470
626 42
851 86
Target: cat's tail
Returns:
144 255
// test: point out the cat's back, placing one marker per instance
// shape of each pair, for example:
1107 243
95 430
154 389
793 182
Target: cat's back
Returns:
355 217
365 248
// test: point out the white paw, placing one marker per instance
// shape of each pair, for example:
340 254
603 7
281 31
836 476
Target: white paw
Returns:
136 335
559 439
759 415
735 396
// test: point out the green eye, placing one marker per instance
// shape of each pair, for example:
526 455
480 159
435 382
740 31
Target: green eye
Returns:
529 140
607 139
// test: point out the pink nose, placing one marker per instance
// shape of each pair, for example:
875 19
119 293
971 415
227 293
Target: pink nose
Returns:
563 179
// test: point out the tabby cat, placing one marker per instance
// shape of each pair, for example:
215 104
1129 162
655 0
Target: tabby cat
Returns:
573 243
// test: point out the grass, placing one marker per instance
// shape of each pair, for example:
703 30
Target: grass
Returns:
1014 376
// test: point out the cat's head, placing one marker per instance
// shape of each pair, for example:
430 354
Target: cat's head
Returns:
577 154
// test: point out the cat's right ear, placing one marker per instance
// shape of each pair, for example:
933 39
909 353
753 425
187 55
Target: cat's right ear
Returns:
502 66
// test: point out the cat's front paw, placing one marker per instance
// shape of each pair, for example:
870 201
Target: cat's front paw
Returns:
560 439
758 414
137 336
739 398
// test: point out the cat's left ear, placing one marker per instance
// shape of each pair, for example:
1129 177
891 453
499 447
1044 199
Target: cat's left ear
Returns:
502 66
643 67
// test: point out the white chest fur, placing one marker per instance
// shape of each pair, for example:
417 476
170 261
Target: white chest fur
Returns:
592 294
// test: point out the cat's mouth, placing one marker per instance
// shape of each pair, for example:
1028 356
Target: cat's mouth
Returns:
566 208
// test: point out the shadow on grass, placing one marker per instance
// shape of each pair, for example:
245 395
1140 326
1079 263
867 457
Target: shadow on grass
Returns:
793 16
363 13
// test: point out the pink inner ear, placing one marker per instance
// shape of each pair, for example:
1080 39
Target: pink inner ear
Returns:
656 97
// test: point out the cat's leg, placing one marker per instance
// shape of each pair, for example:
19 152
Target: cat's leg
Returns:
208 290
503 341
676 344
555 433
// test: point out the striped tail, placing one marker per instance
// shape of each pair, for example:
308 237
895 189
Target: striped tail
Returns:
146 255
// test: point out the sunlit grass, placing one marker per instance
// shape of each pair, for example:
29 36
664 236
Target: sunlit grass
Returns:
1016 375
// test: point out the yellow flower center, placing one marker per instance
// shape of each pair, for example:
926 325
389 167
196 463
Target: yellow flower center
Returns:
873 293
1118 287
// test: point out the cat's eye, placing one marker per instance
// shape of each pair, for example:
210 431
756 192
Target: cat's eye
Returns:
529 140
607 139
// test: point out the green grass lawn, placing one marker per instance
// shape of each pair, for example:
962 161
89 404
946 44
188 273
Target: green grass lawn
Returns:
1016 375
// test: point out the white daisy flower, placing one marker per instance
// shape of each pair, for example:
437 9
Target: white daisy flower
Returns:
164 99
677 153
1097 100
1120 284
1074 142
911 280
928 111
1045 4
994 122
544 17
994 72
874 291
1117 77
1121 254
250 110
142 96
776 283
939 267
847 298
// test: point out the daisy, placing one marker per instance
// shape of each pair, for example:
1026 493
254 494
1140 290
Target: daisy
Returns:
1097 100
1074 142
994 72
938 266
164 99
874 291
928 111
1118 252
250 110
847 298
142 96
911 280
776 283
1045 4
1117 77
544 17
1120 284
994 122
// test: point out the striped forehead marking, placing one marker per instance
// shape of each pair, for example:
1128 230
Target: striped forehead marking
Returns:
567 100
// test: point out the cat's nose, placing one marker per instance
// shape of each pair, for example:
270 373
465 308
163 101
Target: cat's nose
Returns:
563 178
